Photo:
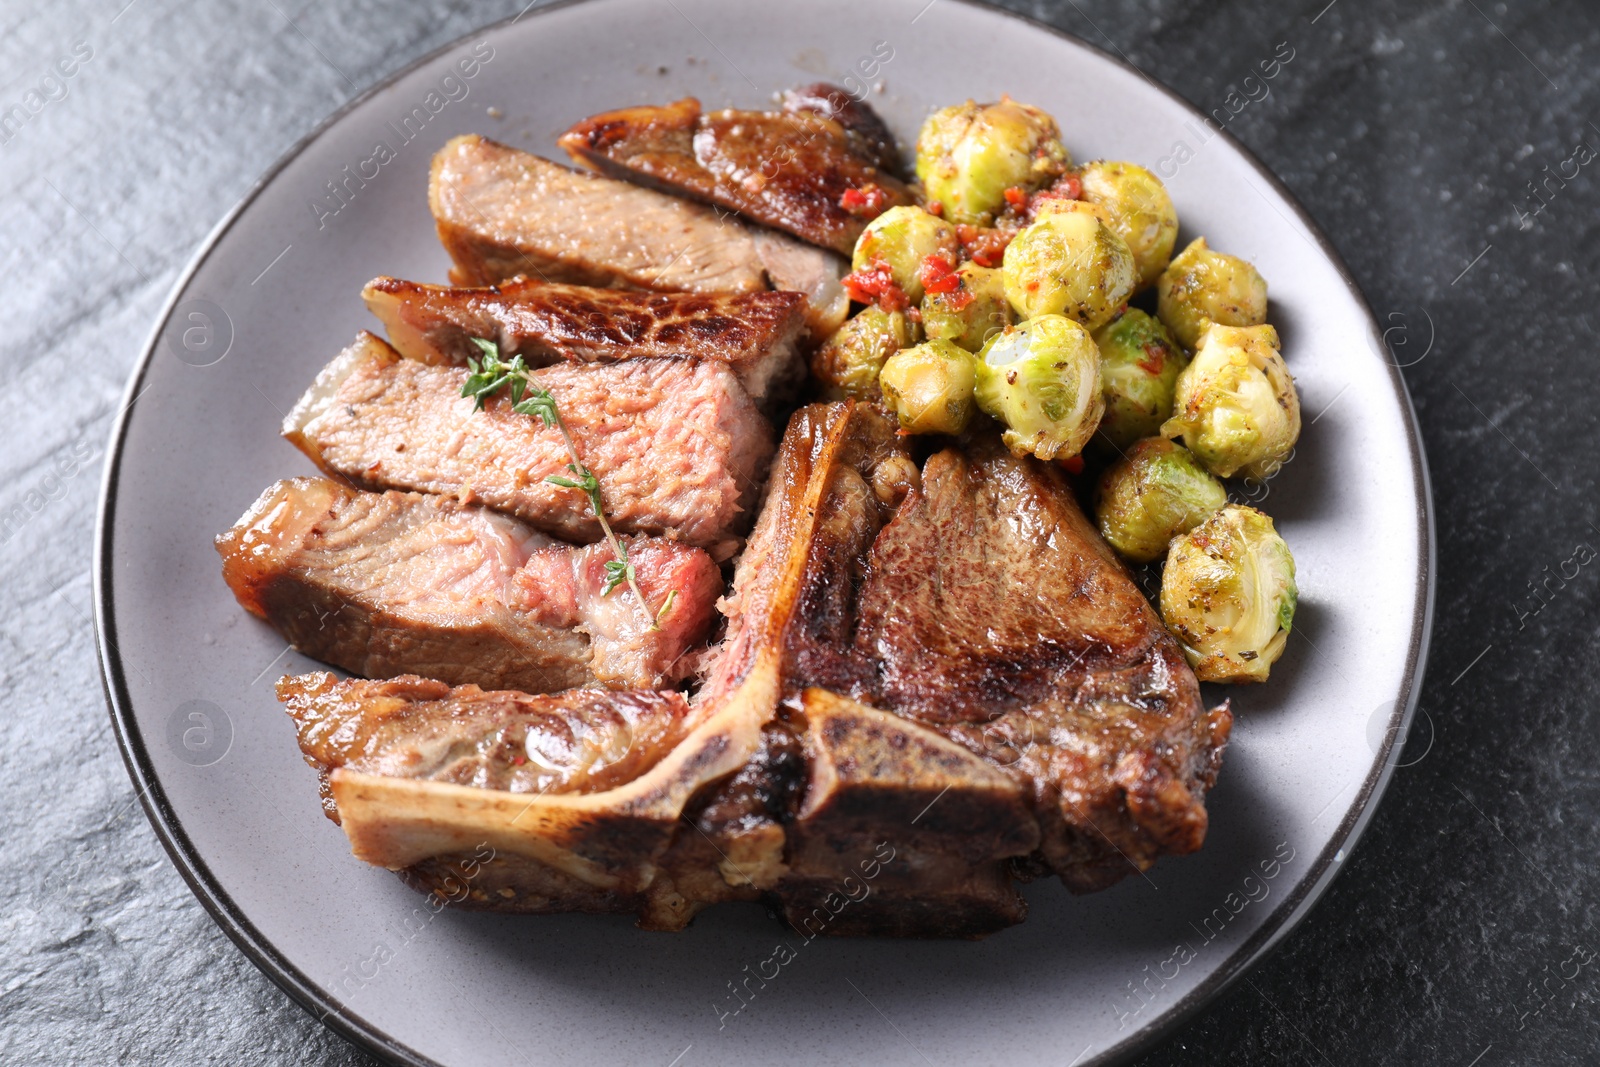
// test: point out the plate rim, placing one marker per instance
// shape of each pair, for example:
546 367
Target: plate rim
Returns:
311 996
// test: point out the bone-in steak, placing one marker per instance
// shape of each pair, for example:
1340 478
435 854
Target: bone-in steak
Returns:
987 609
973 686
384 584
755 334
679 448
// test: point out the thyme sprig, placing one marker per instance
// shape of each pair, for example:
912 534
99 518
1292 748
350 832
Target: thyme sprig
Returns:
486 378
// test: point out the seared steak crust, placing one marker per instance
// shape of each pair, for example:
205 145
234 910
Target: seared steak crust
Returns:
864 129
786 169
755 334
392 583
988 591
678 446
730 843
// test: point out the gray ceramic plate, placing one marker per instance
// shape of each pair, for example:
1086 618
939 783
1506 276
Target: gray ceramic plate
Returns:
1085 980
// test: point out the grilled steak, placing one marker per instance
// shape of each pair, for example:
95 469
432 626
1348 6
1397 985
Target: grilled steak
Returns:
1053 725
753 333
384 584
417 728
503 213
986 609
678 446
791 169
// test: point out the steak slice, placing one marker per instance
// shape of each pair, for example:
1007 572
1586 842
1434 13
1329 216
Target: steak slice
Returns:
423 729
790 170
384 584
678 447
503 213
755 334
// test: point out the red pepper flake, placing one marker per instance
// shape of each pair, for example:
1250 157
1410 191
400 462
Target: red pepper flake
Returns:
935 208
1017 197
1155 358
874 284
866 202
1073 464
1069 187
985 247
939 275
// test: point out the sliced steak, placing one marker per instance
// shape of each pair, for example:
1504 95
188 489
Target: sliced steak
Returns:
503 213
383 584
679 448
803 269
791 170
419 728
923 797
755 334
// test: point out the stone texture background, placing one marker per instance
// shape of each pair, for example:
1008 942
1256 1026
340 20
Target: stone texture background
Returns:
1410 130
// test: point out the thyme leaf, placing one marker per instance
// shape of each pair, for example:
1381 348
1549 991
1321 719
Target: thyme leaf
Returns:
487 375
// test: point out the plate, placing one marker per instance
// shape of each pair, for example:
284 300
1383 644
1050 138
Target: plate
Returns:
274 294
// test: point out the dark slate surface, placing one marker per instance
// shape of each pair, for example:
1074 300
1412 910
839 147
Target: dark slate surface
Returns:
1411 131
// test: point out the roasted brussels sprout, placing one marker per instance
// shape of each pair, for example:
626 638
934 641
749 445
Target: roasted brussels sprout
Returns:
930 387
1068 263
1201 286
848 362
1138 210
1228 594
971 312
1042 379
1139 367
1236 406
969 155
903 237
1155 492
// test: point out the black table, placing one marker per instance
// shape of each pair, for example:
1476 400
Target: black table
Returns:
1447 150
